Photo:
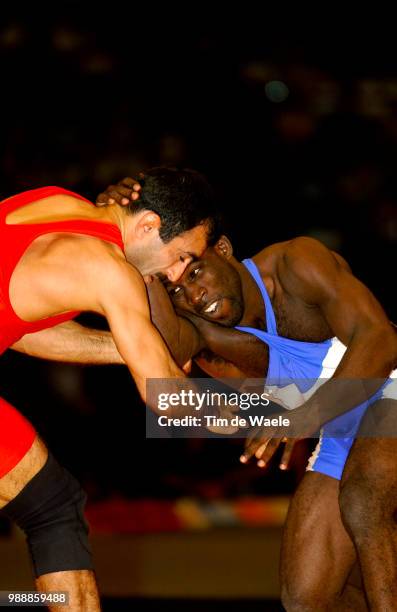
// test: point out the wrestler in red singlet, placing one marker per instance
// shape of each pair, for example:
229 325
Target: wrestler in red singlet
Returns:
16 433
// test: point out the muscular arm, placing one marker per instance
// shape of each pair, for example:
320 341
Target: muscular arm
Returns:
228 353
311 272
233 353
71 342
102 281
122 299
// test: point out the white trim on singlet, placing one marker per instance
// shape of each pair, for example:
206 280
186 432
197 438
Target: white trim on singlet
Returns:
315 454
333 358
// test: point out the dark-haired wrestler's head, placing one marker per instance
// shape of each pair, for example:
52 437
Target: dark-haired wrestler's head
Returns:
172 222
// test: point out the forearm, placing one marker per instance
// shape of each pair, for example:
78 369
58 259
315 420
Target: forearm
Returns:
217 367
246 356
156 375
154 371
71 343
182 337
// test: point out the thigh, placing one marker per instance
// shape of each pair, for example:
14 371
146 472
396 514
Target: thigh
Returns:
371 470
373 456
22 454
317 553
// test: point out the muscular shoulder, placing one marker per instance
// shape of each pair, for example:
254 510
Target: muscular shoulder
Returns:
110 277
91 271
304 268
78 247
307 268
298 250
304 250
75 253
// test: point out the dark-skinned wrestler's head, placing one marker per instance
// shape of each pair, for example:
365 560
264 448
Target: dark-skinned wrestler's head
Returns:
211 286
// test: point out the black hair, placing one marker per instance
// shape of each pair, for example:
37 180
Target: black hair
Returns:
182 198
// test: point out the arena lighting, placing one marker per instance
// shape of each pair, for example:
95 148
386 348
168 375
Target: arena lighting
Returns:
276 91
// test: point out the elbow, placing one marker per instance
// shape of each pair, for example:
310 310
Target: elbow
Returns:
179 358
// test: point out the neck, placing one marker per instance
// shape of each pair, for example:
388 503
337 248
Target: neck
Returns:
254 308
114 214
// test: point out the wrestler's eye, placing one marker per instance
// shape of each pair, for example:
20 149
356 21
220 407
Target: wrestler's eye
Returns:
193 273
175 291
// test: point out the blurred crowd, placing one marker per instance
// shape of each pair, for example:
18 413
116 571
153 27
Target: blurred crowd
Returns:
295 141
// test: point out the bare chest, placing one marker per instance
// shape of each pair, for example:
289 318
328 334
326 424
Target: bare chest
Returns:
299 321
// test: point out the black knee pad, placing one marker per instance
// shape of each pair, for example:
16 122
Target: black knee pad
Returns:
50 510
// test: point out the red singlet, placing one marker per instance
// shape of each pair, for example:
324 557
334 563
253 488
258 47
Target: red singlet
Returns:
16 433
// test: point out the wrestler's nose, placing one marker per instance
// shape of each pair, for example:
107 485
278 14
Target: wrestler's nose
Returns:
196 295
175 271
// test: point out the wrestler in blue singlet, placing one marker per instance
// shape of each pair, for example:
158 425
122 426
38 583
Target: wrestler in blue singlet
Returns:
296 370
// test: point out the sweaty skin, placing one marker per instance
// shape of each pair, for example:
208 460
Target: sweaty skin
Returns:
315 297
59 273
101 280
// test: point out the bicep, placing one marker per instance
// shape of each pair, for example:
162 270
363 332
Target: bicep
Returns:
350 308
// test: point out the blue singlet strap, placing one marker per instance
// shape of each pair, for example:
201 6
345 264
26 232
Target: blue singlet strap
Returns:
270 318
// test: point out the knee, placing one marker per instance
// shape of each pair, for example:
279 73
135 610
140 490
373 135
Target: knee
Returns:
304 596
295 601
50 510
301 601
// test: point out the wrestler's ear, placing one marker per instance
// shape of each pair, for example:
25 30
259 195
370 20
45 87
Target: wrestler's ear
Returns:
146 225
224 247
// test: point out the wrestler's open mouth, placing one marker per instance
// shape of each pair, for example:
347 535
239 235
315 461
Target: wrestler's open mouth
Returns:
212 308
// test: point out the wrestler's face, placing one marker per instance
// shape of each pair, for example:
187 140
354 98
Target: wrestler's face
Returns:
152 256
210 288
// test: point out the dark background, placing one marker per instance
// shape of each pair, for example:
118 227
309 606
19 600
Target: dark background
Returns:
294 125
